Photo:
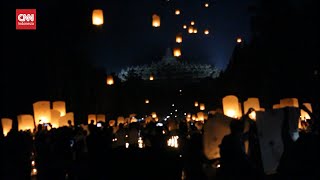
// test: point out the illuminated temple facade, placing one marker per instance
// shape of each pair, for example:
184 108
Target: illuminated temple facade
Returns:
169 68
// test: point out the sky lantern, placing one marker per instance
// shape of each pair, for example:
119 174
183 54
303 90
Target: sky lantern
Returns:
112 123
147 101
202 107
59 106
121 120
155 20
289 102
97 17
206 5
25 122
190 30
55 116
231 106
42 112
176 52
179 38
151 78
239 40
101 117
6 125
251 103
195 31
63 121
184 26
206 31
196 104
177 12
200 116
192 23
110 80
154 115
92 117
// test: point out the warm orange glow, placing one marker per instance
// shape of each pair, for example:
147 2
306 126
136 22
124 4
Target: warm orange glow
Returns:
151 78
206 5
155 20
239 40
192 23
251 103
190 30
42 112
206 31
25 122
178 39
195 31
112 123
55 116
177 52
202 106
101 118
154 115
177 12
231 106
97 17
289 102
63 121
303 113
6 125
276 106
92 117
147 101
184 26
59 106
110 80
196 104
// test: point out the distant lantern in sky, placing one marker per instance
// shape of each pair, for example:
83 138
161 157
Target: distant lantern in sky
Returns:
190 30
25 122
202 106
196 104
97 17
147 101
231 106
155 20
177 12
179 39
6 125
92 117
239 40
206 5
184 26
59 106
192 23
110 80
177 52
42 112
151 78
206 31
195 31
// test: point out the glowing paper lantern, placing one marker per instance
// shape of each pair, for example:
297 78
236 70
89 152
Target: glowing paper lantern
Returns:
155 20
231 106
112 123
239 40
195 31
63 121
97 17
59 106
200 116
42 112
206 5
92 117
251 103
101 118
303 114
192 23
55 116
202 106
190 30
196 104
177 12
121 120
206 31
147 101
176 52
25 122
179 39
154 115
6 125
289 102
110 80
151 78
184 26
276 106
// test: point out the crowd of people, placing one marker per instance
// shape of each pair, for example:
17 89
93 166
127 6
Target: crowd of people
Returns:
140 150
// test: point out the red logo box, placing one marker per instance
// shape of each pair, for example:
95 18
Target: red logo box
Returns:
26 19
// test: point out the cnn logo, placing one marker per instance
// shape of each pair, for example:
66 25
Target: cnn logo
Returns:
26 19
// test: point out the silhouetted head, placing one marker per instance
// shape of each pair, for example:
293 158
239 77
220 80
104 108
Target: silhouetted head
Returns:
236 127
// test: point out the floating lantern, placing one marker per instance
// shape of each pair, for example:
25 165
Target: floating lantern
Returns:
121 120
154 115
202 106
239 40
177 12
184 26
179 39
251 103
92 117
25 122
206 31
190 30
231 106
200 116
63 121
151 78
101 118
59 106
176 52
147 101
155 20
206 5
192 23
97 17
42 112
112 123
195 31
196 104
6 125
110 80
55 116
289 102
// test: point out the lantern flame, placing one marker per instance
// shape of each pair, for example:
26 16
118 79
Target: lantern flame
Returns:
97 17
